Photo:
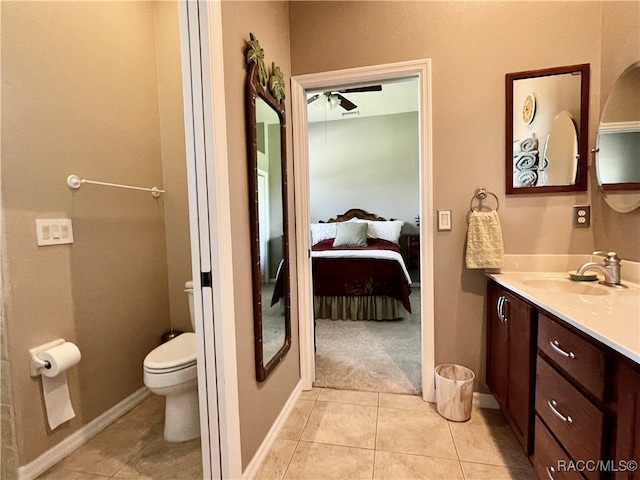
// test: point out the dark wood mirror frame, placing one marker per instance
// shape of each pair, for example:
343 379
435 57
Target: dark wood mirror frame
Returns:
582 124
256 86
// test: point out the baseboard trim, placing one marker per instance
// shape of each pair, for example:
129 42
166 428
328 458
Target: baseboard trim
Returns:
52 456
484 400
258 459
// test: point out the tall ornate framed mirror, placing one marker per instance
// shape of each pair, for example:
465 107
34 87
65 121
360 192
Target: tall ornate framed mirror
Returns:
618 143
547 122
267 159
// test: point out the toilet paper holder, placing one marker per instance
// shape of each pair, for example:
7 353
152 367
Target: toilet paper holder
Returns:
36 364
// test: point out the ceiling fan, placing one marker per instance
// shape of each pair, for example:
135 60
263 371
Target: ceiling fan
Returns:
334 98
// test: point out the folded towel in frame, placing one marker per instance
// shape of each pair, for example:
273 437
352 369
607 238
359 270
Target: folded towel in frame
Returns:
485 248
526 144
528 178
525 160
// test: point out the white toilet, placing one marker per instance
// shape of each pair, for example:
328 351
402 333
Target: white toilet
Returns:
170 370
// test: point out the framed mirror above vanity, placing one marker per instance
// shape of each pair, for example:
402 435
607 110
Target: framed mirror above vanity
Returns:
547 117
267 175
618 143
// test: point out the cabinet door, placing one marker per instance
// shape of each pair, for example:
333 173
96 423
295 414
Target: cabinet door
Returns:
497 345
627 446
520 376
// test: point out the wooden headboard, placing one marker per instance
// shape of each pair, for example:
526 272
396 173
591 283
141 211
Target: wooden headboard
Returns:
355 213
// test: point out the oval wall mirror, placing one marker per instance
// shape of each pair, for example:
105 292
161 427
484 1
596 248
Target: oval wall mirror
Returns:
267 159
547 117
618 143
560 157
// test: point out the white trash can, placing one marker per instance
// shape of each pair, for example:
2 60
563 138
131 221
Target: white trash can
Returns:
454 391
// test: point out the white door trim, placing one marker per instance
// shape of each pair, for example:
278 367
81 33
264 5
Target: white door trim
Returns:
347 78
210 230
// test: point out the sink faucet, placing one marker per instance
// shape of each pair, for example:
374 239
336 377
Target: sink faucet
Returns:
610 268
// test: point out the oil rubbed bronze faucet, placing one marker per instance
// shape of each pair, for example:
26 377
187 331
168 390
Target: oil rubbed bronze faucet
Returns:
610 268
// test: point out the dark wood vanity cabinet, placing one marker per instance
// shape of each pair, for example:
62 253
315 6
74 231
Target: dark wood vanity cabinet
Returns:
627 425
572 402
510 354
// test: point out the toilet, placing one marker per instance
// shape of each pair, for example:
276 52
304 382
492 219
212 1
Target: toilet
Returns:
170 371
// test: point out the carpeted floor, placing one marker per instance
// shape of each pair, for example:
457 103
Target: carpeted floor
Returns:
370 355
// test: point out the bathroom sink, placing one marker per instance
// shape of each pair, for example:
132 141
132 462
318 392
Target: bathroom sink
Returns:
567 286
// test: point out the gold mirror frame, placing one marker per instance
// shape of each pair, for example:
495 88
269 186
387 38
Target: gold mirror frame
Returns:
270 90
528 110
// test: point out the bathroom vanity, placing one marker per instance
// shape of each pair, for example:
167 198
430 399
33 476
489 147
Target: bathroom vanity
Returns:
563 361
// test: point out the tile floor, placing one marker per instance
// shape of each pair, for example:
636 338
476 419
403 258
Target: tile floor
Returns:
331 434
132 448
334 434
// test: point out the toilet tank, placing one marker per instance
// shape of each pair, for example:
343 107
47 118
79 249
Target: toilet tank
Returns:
188 288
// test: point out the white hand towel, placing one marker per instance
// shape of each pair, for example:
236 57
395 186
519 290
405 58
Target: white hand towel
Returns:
484 241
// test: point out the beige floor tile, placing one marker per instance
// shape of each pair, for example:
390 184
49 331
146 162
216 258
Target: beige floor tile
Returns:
349 396
106 453
58 473
394 466
151 410
311 394
319 462
277 461
162 460
409 402
341 424
487 439
477 471
292 429
418 432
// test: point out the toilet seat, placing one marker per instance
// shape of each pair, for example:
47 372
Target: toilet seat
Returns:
177 354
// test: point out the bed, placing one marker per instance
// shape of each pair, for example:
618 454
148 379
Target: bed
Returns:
356 279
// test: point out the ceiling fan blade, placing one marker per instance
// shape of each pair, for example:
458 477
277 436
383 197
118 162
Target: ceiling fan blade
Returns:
369 88
314 98
348 105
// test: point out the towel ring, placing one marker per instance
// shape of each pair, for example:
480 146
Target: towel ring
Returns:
481 193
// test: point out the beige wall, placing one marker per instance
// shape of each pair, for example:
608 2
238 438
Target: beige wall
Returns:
174 171
472 46
620 48
260 403
367 162
79 96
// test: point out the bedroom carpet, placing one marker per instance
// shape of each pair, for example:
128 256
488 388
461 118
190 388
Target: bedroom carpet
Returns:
370 355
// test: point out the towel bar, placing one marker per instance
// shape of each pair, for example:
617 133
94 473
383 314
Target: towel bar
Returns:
481 193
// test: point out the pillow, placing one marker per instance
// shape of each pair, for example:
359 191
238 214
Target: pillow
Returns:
389 230
351 234
322 231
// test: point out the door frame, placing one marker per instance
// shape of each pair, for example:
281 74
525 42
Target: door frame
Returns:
210 232
345 79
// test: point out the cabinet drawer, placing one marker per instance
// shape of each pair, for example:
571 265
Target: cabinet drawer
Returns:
549 458
578 358
573 419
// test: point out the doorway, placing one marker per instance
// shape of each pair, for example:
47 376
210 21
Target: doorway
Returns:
303 84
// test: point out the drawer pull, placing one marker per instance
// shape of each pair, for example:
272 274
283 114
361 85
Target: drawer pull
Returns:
500 308
552 405
550 471
555 344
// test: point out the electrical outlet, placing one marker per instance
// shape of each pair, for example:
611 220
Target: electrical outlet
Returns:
581 216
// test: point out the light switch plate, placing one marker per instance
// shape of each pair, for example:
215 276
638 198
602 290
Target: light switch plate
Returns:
54 231
444 220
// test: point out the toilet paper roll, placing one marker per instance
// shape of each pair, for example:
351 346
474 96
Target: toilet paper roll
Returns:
60 359
57 400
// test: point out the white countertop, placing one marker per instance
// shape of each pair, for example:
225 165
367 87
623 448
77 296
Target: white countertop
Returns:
611 316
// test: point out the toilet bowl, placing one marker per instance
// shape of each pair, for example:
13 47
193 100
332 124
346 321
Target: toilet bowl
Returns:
170 370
